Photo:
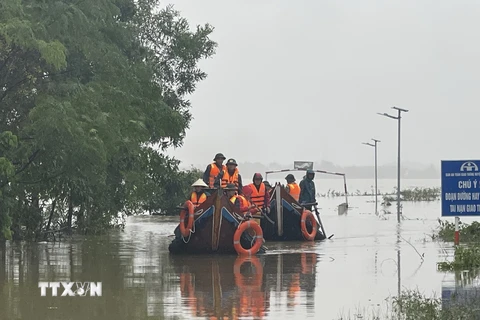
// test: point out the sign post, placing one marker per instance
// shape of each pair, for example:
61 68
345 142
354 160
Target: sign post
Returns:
303 165
460 190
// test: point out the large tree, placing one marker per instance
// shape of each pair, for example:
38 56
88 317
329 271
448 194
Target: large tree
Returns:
91 93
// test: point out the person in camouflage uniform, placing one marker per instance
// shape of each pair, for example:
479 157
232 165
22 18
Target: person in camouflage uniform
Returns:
307 189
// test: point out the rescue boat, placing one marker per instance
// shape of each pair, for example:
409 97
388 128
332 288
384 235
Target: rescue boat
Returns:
289 220
216 227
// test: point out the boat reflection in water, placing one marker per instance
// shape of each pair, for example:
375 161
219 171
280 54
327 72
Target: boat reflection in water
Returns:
229 287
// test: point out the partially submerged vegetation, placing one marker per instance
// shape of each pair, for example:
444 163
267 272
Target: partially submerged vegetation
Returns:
413 305
92 93
468 232
412 194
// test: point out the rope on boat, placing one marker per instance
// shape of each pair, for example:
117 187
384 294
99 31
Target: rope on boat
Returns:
190 234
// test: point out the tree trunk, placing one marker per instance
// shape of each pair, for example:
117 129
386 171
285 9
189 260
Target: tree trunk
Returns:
70 214
54 203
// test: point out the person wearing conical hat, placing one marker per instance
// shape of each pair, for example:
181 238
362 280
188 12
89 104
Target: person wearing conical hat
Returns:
198 195
213 169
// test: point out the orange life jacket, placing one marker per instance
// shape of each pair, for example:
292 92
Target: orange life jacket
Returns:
244 203
196 200
258 196
294 190
227 178
214 171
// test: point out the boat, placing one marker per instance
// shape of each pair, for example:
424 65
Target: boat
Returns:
216 227
288 220
224 287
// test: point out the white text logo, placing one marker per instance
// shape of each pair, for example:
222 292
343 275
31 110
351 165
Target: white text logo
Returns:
71 289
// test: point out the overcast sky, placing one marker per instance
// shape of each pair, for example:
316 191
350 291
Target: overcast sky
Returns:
303 80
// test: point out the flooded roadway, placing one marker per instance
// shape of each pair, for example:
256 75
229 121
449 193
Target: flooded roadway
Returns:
351 273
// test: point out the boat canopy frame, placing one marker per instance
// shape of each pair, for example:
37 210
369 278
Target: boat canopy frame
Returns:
318 171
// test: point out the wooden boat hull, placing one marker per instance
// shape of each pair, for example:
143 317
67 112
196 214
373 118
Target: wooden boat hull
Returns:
290 219
216 221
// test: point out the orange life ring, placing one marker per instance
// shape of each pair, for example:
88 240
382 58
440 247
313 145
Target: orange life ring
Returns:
244 226
185 229
240 279
308 215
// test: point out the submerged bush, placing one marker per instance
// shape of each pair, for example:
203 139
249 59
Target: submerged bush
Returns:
413 305
468 232
414 195
465 258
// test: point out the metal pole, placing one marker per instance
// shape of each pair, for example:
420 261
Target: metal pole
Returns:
457 231
376 177
376 172
398 169
398 164
345 188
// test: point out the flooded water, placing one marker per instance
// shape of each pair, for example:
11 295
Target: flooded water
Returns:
368 259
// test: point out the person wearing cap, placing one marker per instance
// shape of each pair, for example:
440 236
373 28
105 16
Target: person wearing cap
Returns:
307 189
239 200
292 187
260 196
214 169
230 175
198 195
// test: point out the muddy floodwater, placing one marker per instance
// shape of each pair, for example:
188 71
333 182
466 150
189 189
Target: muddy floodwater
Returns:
368 259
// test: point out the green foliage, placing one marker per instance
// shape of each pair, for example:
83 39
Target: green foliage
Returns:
413 305
414 195
466 258
468 232
94 91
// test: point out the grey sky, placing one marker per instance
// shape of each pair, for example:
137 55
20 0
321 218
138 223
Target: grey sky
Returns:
303 80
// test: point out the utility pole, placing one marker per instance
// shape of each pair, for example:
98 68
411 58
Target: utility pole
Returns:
376 171
398 118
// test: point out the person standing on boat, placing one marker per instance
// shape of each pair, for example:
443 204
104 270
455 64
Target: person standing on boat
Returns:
292 187
307 189
198 195
214 169
230 175
260 196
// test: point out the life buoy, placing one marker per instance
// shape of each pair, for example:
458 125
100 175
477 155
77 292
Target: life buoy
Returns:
185 229
240 279
308 215
242 227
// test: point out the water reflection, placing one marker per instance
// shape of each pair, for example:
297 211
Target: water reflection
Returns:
461 288
225 287
357 268
141 280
